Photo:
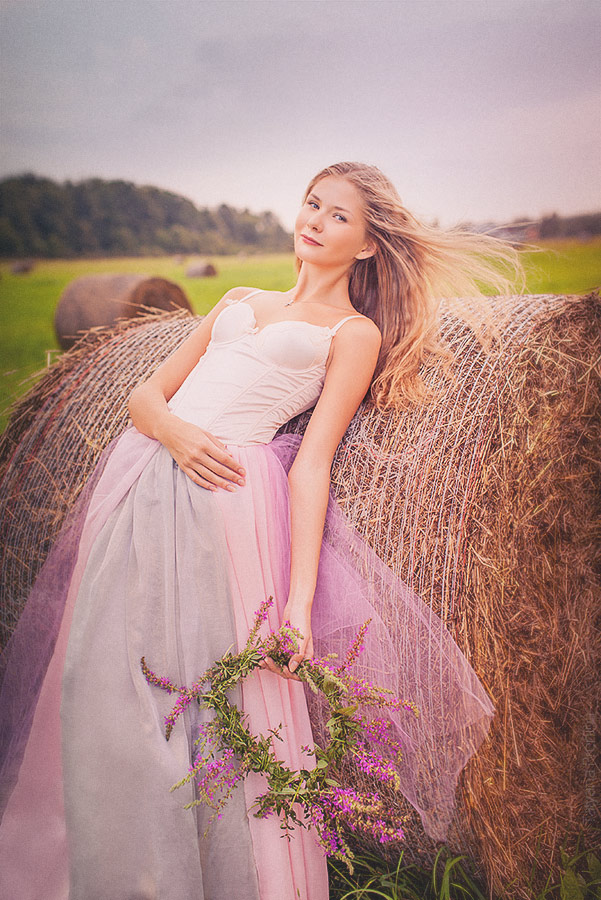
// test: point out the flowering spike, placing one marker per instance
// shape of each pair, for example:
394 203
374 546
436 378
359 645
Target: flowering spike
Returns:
355 648
225 751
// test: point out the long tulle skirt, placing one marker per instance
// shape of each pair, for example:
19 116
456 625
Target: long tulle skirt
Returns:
151 565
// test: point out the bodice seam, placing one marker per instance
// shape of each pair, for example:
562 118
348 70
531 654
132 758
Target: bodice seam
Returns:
289 398
236 398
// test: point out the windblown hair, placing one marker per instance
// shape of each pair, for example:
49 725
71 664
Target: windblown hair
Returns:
415 266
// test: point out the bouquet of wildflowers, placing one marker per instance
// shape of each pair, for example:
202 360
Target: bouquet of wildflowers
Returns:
226 750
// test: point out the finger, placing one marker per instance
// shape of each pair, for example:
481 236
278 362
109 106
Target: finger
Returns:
221 456
210 476
283 673
202 475
269 664
215 472
217 460
198 479
215 440
291 676
295 661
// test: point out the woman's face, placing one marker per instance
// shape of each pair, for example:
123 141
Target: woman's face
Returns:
330 227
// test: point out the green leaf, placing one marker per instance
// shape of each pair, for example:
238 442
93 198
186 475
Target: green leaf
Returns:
329 686
594 867
570 889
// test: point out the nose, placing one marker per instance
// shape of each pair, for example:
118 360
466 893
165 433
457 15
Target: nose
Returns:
314 220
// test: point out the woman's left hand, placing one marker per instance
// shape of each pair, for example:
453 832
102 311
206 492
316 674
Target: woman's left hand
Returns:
299 618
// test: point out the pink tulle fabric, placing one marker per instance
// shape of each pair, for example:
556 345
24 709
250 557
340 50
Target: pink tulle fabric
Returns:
407 650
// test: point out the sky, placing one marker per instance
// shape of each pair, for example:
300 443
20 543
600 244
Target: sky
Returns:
477 110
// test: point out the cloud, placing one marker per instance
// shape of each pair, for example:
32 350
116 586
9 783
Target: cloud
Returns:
461 102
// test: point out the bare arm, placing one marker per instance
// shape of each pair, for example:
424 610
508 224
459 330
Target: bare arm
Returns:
197 452
353 360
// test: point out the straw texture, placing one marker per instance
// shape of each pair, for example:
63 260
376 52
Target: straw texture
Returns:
486 501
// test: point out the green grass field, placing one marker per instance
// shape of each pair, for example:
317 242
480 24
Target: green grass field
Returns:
27 302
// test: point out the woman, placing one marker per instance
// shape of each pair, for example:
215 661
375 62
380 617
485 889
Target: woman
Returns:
192 522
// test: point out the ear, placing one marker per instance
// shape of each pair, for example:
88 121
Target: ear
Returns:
368 250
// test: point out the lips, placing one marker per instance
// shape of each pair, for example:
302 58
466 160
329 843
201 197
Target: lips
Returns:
309 240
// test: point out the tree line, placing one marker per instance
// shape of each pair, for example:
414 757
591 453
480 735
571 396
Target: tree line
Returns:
43 218
584 225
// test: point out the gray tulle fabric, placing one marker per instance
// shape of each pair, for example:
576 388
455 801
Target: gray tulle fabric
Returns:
158 566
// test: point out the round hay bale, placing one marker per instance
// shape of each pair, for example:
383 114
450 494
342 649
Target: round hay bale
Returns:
98 300
22 266
158 293
486 500
201 270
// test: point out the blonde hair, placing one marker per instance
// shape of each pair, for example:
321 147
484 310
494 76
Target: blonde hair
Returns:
414 267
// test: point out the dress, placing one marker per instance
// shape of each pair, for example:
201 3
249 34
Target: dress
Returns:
168 570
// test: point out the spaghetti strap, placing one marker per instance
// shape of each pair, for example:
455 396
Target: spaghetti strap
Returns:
252 294
231 300
341 323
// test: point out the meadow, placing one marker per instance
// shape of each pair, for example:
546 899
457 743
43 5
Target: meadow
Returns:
27 302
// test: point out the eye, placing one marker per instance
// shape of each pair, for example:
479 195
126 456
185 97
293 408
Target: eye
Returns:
340 217
313 203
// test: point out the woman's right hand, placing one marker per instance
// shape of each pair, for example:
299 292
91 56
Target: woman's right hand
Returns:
201 456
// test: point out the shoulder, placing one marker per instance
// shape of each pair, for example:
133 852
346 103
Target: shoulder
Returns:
234 295
238 293
355 349
359 330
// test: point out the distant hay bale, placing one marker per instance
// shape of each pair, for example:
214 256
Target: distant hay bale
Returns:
158 293
96 300
201 270
486 501
22 266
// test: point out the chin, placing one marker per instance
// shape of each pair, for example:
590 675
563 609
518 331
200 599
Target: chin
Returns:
300 248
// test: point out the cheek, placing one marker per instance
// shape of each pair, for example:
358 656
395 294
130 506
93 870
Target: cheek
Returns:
352 242
300 220
360 239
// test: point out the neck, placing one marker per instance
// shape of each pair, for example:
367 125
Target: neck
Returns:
318 285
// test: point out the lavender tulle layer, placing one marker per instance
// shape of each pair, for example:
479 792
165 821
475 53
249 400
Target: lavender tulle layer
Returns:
148 564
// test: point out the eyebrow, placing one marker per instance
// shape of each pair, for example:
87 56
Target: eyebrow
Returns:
341 208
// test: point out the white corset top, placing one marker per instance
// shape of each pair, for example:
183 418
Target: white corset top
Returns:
250 381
